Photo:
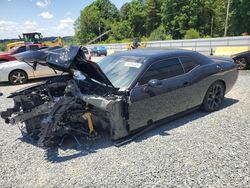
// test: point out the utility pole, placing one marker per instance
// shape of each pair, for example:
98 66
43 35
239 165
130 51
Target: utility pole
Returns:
212 24
227 18
99 27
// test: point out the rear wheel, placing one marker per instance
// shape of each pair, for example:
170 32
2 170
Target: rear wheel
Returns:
18 77
242 63
214 97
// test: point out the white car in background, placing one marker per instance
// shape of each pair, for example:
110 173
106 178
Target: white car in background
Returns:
18 72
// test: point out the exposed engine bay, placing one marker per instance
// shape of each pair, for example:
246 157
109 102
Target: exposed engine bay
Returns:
79 103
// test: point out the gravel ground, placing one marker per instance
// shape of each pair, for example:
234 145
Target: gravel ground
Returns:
198 150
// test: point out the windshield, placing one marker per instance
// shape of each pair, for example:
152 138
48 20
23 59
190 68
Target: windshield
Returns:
12 50
121 70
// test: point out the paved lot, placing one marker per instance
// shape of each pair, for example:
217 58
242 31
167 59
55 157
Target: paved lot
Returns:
198 150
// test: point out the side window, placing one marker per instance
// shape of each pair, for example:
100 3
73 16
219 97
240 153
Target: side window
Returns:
33 47
188 63
163 70
21 49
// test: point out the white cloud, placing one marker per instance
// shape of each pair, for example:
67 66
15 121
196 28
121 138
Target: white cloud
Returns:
46 15
43 3
65 23
7 28
30 23
10 29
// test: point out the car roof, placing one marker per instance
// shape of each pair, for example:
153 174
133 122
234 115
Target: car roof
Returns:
154 54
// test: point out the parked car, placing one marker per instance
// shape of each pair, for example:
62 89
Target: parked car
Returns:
8 56
122 94
98 51
242 60
18 72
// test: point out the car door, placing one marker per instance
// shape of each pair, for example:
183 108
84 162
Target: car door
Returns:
146 107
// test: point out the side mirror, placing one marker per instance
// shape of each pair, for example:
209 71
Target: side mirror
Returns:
154 83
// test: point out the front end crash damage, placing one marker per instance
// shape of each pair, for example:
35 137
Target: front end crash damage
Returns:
66 105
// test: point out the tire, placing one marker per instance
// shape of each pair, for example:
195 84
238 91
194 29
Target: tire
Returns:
242 63
214 97
18 77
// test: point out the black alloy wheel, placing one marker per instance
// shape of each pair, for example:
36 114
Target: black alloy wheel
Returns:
214 97
241 63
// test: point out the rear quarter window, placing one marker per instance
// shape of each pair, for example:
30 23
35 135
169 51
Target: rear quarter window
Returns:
188 63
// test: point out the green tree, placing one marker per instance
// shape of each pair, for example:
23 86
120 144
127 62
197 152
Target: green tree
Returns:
153 15
159 34
121 30
216 16
240 17
207 16
87 25
94 20
137 17
192 34
125 11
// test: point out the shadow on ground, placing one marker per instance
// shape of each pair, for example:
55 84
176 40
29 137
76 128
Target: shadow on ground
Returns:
92 146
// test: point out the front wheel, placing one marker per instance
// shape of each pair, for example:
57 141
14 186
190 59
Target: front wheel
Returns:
214 97
18 77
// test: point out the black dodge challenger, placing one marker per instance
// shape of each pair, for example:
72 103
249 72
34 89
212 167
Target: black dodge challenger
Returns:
123 93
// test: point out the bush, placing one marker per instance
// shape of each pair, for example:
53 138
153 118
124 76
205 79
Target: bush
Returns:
168 37
2 47
192 34
159 34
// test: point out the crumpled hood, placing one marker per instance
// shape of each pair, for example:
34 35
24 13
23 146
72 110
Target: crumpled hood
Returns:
65 59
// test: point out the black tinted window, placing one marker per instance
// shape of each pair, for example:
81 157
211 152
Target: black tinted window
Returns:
33 47
162 70
21 49
188 63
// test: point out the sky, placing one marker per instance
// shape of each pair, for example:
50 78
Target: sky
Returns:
50 17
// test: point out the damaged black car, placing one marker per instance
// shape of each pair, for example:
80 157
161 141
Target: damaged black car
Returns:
122 94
